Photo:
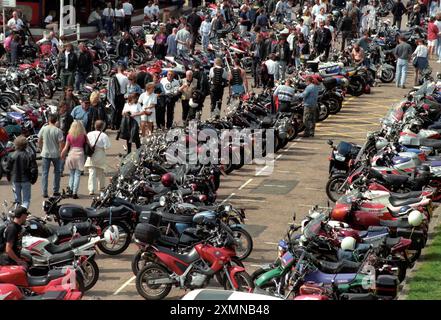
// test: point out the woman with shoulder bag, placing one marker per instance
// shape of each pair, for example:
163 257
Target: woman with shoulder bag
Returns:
96 163
75 142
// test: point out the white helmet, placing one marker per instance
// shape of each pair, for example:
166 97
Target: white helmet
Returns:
415 218
348 244
111 235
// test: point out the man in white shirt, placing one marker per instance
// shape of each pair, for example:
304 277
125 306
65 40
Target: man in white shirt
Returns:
128 11
151 12
108 19
205 30
15 23
123 82
171 91
320 17
303 28
271 65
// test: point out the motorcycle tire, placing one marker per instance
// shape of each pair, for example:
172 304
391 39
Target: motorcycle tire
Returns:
91 280
238 234
387 76
334 105
413 255
333 183
356 87
137 263
137 58
244 281
220 276
155 268
323 112
106 68
257 273
6 102
229 167
29 93
79 279
247 64
293 132
46 90
123 229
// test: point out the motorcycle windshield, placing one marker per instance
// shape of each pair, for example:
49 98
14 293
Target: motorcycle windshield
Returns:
130 163
427 88
312 229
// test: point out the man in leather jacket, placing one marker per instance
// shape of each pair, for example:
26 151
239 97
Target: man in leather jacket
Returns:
84 66
258 53
67 64
322 40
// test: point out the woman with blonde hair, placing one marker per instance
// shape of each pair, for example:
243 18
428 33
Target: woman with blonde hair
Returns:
97 104
148 101
75 141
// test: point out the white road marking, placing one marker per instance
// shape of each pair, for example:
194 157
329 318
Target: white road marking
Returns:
249 200
271 243
245 184
279 156
275 185
124 285
261 170
229 197
314 189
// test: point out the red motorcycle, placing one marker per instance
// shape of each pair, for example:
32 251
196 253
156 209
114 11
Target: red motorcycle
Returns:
192 270
12 292
64 279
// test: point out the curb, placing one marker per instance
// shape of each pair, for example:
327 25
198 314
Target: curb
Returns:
404 287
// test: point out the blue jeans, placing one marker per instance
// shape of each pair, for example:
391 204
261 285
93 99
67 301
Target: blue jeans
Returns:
46 162
22 193
438 47
74 180
205 42
80 80
400 78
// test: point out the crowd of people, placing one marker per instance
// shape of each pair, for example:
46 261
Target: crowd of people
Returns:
142 103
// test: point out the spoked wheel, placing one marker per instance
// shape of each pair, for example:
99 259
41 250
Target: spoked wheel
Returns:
125 237
220 276
334 105
387 76
334 187
106 67
243 280
91 273
323 112
30 92
149 291
137 58
243 241
356 87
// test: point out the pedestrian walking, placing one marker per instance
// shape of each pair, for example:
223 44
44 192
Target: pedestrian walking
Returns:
67 65
125 49
119 18
432 36
195 21
85 113
322 40
218 81
271 70
84 66
109 19
128 12
50 141
118 84
257 52
160 43
129 128
420 59
171 95
97 164
74 150
238 80
403 53
23 171
284 57
183 40
172 46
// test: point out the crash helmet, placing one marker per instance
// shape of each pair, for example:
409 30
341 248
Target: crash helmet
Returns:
348 244
415 218
168 179
111 235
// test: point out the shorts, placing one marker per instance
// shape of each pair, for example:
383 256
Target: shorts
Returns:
148 118
432 43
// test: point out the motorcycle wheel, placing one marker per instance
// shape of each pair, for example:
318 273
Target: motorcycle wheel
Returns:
91 273
292 132
137 58
5 102
47 90
323 112
257 273
247 64
243 280
125 237
106 67
244 242
79 280
387 76
152 292
228 167
334 105
413 255
356 87
29 92
138 263
332 186
220 276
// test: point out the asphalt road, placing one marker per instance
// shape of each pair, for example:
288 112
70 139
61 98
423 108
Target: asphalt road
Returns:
295 185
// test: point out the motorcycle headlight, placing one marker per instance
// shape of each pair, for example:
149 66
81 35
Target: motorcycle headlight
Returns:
228 208
162 201
339 157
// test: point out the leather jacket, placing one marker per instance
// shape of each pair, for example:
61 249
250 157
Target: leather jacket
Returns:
18 166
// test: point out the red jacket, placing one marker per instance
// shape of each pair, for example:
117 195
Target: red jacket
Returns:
432 31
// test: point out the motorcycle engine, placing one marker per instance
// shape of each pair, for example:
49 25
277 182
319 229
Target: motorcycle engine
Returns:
196 280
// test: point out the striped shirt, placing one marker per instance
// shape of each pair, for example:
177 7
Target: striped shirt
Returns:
284 93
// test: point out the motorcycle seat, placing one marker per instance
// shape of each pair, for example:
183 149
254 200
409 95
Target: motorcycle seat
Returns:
390 242
396 180
267 122
358 296
343 266
54 259
38 281
105 212
407 195
168 241
186 258
377 229
395 223
403 202
67 246
170 217
436 144
83 228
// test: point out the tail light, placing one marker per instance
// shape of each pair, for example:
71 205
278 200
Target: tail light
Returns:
340 212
